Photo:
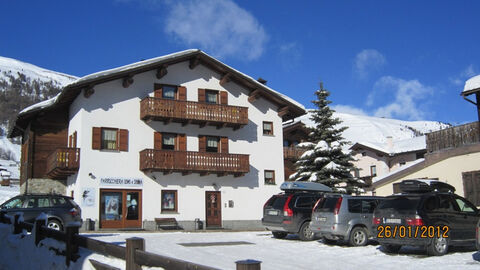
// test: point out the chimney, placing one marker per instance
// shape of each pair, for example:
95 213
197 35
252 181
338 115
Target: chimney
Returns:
262 80
390 143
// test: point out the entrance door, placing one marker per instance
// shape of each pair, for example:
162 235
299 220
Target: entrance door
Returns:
213 203
120 208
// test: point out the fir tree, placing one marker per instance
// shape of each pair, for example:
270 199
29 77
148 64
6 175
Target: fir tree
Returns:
324 161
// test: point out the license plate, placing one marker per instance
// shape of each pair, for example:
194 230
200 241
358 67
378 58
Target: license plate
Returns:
322 219
392 220
272 213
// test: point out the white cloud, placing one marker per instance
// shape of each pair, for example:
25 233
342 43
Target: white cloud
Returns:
367 61
220 27
408 96
464 75
290 55
348 109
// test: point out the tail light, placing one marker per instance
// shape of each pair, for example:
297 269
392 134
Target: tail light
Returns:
317 204
415 221
73 212
287 211
337 206
376 220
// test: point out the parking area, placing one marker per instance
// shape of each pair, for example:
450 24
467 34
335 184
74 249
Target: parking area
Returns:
222 249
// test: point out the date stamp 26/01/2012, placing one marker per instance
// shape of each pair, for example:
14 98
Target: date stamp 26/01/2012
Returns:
402 231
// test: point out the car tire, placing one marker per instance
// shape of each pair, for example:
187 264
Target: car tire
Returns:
328 241
305 234
391 248
438 245
358 237
279 235
54 224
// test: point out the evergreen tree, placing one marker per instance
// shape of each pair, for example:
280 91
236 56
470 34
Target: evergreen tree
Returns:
324 161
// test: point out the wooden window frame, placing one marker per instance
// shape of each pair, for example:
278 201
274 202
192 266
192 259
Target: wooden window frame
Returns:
373 168
102 144
175 141
169 191
266 132
180 91
269 181
210 91
121 139
218 144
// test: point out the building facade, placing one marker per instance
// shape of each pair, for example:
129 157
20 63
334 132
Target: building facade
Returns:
181 136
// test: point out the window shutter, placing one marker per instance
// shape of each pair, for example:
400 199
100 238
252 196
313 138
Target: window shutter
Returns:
123 140
202 143
74 140
70 141
157 140
182 93
224 145
223 97
201 95
157 90
182 142
96 138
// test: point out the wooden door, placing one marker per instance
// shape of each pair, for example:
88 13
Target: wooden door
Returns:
213 205
120 208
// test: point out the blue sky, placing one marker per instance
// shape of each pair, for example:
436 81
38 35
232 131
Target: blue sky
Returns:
400 59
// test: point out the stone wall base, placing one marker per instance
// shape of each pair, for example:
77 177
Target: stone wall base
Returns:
44 185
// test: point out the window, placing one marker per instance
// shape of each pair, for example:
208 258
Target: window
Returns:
169 201
14 203
168 141
465 206
267 128
269 177
168 92
305 202
364 154
402 163
373 170
109 139
211 96
212 144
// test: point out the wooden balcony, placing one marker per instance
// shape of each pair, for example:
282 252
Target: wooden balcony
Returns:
453 137
189 112
63 162
292 152
187 162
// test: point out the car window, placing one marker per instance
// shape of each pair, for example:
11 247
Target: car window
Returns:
464 205
31 203
304 202
43 202
368 206
431 204
354 206
14 203
58 201
400 203
445 204
328 204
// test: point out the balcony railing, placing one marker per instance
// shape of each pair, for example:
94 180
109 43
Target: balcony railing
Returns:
293 152
189 112
63 162
453 137
194 162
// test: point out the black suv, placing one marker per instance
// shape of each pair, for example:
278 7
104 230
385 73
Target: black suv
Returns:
60 209
427 214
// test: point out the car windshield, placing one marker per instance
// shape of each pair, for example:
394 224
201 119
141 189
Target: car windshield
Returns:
277 202
400 203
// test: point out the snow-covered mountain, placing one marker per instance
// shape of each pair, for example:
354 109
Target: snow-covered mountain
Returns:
10 66
363 128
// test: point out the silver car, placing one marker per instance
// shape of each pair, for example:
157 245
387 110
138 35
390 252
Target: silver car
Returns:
344 217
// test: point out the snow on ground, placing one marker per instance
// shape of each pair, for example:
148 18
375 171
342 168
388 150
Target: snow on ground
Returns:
8 192
8 146
289 253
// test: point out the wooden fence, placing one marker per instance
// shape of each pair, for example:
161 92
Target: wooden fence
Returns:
134 253
453 137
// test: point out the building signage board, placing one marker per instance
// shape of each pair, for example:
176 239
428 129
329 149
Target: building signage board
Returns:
117 181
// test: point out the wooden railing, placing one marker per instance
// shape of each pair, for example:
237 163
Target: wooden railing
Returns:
453 137
63 162
193 162
293 152
193 112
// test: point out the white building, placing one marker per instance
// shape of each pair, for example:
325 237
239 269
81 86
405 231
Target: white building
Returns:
180 136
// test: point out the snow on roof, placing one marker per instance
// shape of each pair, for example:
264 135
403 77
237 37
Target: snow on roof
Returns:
402 146
472 84
136 65
401 168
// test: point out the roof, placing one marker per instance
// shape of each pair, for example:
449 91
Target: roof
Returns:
472 85
398 147
73 89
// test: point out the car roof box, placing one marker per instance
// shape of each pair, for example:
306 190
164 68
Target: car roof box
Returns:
425 185
304 186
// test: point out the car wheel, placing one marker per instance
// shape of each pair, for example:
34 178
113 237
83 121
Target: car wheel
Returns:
54 224
391 248
279 235
305 233
328 241
358 237
438 246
